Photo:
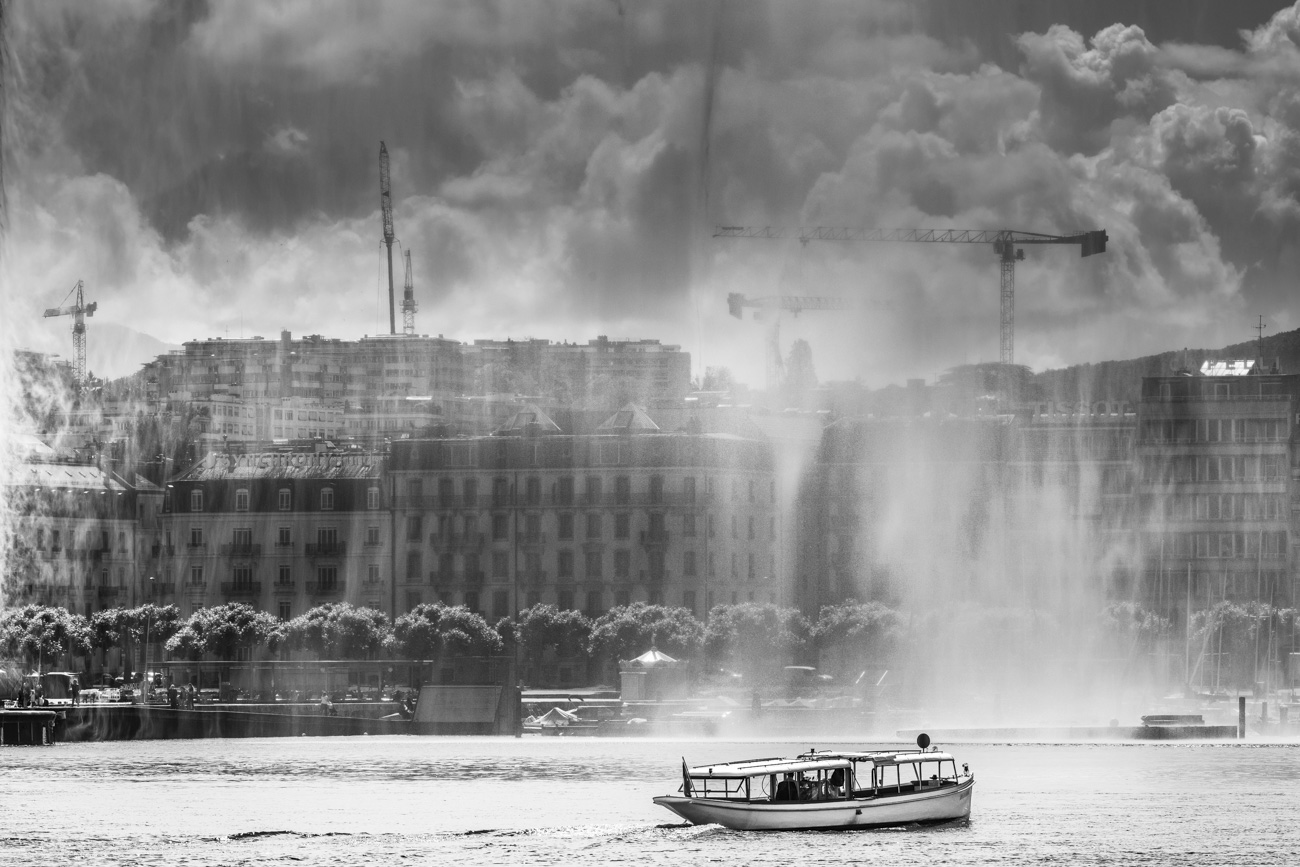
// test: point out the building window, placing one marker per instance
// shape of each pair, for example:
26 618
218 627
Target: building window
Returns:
284 537
594 565
327 578
621 598
285 576
446 493
622 525
656 489
284 609
285 500
372 573
500 527
533 491
622 564
751 526
196 576
565 600
121 542
471 493
564 564
196 501
413 598
372 498
656 596
414 566
566 525
595 599
500 564
688 489
688 564
196 537
414 528
500 604
241 500
564 491
242 540
593 490
414 490
688 525
327 499
372 537
243 577
622 490
471 600
593 525
500 492
688 601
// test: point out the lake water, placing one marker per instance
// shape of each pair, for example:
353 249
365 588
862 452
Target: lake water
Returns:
408 800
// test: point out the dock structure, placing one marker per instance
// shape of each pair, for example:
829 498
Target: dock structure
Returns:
27 727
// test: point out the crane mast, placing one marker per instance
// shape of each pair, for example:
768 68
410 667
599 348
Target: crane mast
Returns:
408 299
78 312
386 207
1006 243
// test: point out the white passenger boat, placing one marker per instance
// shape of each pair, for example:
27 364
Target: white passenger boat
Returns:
826 790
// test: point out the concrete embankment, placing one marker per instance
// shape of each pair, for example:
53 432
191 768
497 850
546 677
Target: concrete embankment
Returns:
1078 733
27 727
109 722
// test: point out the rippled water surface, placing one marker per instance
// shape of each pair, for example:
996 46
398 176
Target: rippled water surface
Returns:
577 801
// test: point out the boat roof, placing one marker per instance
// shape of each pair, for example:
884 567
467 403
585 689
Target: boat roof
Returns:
814 762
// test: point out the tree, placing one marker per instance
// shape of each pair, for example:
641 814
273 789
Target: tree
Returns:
626 631
339 631
757 639
852 635
434 629
224 630
41 634
128 627
545 627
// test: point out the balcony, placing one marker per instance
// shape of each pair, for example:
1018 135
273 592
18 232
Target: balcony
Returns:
531 539
327 549
241 549
241 588
654 538
163 551
284 547
289 586
162 588
193 546
107 594
326 588
196 585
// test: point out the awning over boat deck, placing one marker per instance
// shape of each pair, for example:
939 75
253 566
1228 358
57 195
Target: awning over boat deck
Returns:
763 767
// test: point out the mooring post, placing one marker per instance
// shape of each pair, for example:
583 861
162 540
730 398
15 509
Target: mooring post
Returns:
1241 716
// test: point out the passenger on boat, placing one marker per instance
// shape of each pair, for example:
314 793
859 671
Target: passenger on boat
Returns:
834 787
787 789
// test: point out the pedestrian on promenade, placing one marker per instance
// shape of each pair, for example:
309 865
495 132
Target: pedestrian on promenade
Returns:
189 696
76 692
173 696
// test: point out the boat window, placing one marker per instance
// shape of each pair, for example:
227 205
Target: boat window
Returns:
731 788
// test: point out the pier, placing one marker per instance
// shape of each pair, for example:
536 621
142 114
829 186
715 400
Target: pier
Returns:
27 727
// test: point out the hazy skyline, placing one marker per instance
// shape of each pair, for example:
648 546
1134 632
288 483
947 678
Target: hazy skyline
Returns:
212 169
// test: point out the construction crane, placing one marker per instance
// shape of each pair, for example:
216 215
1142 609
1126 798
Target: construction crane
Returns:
78 312
1006 244
386 207
408 299
774 306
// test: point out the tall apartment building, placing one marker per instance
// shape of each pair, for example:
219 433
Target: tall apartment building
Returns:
504 522
282 531
78 536
1216 490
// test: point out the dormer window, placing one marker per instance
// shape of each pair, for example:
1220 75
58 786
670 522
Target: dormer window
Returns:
241 500
326 499
196 500
285 500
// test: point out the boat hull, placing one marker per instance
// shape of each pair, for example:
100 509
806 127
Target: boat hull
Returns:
923 807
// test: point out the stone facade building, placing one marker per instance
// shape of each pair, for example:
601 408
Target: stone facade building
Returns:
588 522
283 531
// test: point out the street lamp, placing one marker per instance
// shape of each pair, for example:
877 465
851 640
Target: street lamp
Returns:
144 652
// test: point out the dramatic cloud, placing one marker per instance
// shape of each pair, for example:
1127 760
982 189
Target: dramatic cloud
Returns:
557 169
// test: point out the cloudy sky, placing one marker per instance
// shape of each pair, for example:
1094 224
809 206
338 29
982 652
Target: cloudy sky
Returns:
211 169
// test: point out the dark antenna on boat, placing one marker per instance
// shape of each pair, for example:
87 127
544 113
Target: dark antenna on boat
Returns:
923 740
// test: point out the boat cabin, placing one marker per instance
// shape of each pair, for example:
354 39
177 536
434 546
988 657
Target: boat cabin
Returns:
817 776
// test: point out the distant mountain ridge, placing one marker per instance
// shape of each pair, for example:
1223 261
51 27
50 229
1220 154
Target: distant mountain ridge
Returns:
1122 380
